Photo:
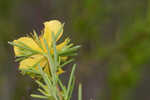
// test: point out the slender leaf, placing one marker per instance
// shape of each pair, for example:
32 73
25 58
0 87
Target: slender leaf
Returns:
70 81
80 92
39 96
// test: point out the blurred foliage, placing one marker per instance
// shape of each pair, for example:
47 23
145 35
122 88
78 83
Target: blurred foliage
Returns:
115 38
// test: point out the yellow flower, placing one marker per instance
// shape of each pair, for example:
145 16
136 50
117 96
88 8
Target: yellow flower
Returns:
32 61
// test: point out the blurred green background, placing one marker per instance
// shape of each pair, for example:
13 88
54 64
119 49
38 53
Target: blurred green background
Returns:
113 63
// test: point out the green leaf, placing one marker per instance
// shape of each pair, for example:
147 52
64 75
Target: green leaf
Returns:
42 85
30 71
21 45
50 60
45 78
71 89
55 52
80 92
70 82
39 96
67 62
62 86
69 51
37 40
43 92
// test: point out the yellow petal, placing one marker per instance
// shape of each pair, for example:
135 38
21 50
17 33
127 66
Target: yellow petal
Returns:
32 61
49 27
27 41
47 70
64 58
63 44
60 71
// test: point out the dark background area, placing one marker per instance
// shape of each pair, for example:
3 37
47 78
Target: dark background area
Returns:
113 63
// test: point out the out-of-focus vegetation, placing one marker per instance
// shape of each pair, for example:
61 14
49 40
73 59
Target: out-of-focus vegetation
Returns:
115 37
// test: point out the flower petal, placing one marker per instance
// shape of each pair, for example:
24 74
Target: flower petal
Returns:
63 44
51 26
32 61
60 71
27 41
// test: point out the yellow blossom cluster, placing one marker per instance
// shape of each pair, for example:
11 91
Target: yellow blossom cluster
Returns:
36 59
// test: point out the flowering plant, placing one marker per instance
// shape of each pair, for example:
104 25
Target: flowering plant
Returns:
43 59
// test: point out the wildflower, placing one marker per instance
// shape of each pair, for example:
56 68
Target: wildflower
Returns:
32 53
